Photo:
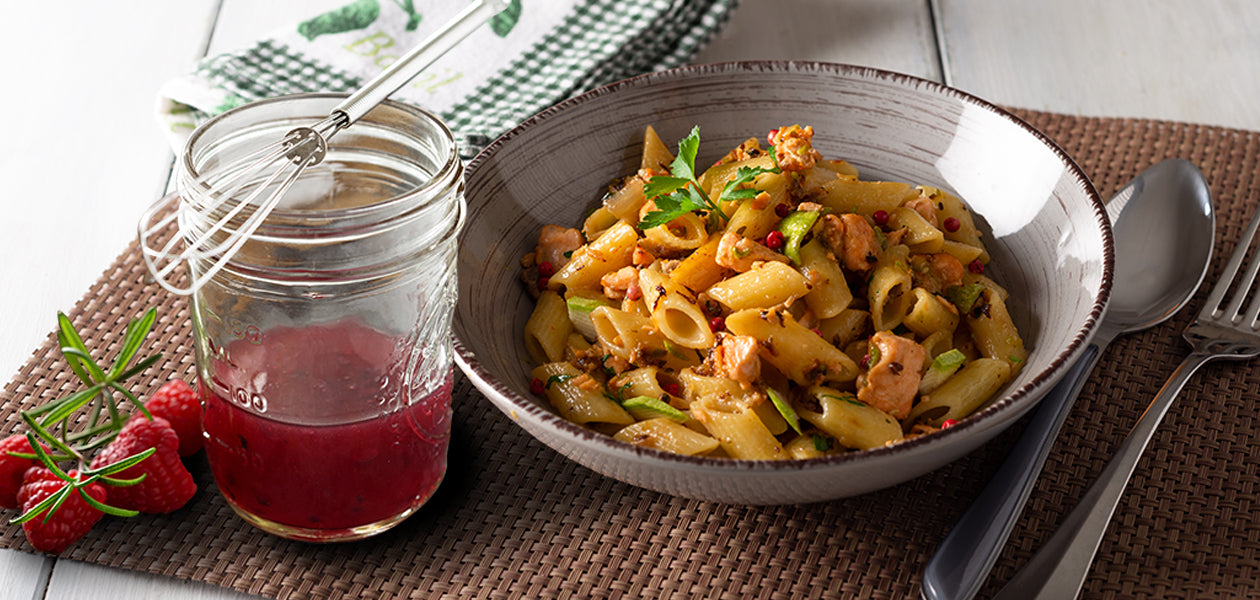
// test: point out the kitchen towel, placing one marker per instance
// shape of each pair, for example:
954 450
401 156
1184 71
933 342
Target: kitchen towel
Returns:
531 55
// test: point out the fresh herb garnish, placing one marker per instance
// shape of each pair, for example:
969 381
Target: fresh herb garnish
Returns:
821 444
51 424
558 379
680 193
619 395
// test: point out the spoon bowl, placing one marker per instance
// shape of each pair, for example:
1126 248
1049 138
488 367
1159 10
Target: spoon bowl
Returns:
1163 245
1163 226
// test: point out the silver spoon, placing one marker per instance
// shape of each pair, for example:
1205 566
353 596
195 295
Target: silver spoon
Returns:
1163 226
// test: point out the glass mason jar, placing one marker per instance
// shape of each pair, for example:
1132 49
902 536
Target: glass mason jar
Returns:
323 346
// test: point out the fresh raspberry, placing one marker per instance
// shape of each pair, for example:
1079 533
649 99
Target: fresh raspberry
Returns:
71 521
12 468
176 402
167 485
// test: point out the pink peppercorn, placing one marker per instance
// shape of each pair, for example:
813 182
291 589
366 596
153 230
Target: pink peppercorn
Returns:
865 363
947 423
880 217
976 267
537 387
782 210
546 269
717 323
671 389
952 224
542 282
775 240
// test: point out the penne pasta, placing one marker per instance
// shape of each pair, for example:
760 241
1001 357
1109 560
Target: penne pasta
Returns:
674 311
548 328
568 392
611 251
889 290
796 351
667 435
852 423
766 285
963 393
829 294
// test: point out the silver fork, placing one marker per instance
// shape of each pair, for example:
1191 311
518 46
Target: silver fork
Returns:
1221 330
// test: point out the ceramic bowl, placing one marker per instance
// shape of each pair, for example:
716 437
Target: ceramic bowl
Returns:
1047 232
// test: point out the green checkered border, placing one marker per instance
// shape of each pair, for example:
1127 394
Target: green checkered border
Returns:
601 41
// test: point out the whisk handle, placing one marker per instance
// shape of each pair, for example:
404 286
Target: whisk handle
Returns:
418 58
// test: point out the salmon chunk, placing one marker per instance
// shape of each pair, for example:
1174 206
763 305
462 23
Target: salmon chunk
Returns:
893 380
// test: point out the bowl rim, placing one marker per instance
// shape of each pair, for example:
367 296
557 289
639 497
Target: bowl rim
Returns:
468 362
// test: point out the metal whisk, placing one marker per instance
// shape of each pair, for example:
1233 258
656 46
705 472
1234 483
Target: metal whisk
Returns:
287 158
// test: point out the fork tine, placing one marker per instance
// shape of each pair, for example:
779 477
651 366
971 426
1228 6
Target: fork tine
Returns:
1229 277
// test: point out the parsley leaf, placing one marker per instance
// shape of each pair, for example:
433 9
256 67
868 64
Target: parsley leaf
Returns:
684 164
680 193
732 191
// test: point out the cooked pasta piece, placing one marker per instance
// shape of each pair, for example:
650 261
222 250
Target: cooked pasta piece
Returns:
796 351
656 155
667 435
963 393
766 285
889 291
865 197
609 252
548 328
674 311
852 423
699 270
738 429
578 397
829 294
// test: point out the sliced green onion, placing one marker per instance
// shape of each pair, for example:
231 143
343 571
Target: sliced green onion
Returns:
648 404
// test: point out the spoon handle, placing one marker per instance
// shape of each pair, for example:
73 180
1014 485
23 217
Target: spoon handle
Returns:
1058 569
963 560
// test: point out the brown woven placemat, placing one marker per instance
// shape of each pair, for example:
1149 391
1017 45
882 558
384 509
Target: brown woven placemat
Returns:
514 519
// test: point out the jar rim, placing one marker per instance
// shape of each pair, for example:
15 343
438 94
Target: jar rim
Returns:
449 168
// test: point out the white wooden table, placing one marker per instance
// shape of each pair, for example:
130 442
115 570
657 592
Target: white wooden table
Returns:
82 153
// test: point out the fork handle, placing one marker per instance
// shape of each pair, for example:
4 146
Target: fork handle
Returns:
1058 570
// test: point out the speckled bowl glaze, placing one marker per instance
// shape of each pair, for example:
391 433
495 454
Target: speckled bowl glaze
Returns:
1048 236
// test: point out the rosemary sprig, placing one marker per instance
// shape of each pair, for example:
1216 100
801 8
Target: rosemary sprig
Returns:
51 424
101 385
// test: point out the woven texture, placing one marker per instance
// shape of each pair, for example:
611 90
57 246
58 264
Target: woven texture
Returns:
514 519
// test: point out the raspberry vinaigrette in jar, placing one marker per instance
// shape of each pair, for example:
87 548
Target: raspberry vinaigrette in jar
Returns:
323 345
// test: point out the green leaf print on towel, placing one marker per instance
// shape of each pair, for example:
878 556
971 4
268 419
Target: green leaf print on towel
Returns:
356 15
413 17
503 22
